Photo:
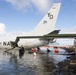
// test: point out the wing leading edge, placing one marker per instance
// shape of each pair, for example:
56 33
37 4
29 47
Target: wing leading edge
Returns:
47 36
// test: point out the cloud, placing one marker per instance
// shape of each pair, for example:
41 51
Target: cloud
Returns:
65 42
2 28
69 30
41 5
20 4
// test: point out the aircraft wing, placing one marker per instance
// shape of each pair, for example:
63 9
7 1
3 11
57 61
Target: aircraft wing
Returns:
61 35
44 37
49 36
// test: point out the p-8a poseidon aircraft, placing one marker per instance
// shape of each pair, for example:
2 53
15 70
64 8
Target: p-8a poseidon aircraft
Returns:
40 36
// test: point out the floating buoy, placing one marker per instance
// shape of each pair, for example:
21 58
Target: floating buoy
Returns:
56 51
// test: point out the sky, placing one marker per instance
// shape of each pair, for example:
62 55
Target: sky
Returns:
24 15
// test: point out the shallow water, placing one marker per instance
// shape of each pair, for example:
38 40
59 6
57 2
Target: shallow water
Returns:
28 64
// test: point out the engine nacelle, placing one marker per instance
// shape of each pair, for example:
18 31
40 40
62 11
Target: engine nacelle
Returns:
52 41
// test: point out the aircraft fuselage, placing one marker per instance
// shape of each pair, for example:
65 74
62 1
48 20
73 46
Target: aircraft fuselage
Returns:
27 43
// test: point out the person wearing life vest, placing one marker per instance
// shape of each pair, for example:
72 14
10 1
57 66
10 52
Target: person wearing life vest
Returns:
34 51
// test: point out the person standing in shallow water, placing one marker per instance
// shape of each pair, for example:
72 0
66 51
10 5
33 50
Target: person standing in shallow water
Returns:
21 51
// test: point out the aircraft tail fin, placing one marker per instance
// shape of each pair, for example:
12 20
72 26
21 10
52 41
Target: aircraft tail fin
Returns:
47 24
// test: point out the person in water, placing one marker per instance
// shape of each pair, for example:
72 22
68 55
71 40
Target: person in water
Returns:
21 51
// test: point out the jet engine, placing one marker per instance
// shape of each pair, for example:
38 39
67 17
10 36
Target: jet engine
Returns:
52 41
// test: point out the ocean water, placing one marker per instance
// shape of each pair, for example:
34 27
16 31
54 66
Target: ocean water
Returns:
41 64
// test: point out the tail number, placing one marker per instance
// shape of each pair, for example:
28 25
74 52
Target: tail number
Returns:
50 16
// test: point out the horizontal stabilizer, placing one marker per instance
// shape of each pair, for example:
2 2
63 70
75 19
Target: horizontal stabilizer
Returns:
54 32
